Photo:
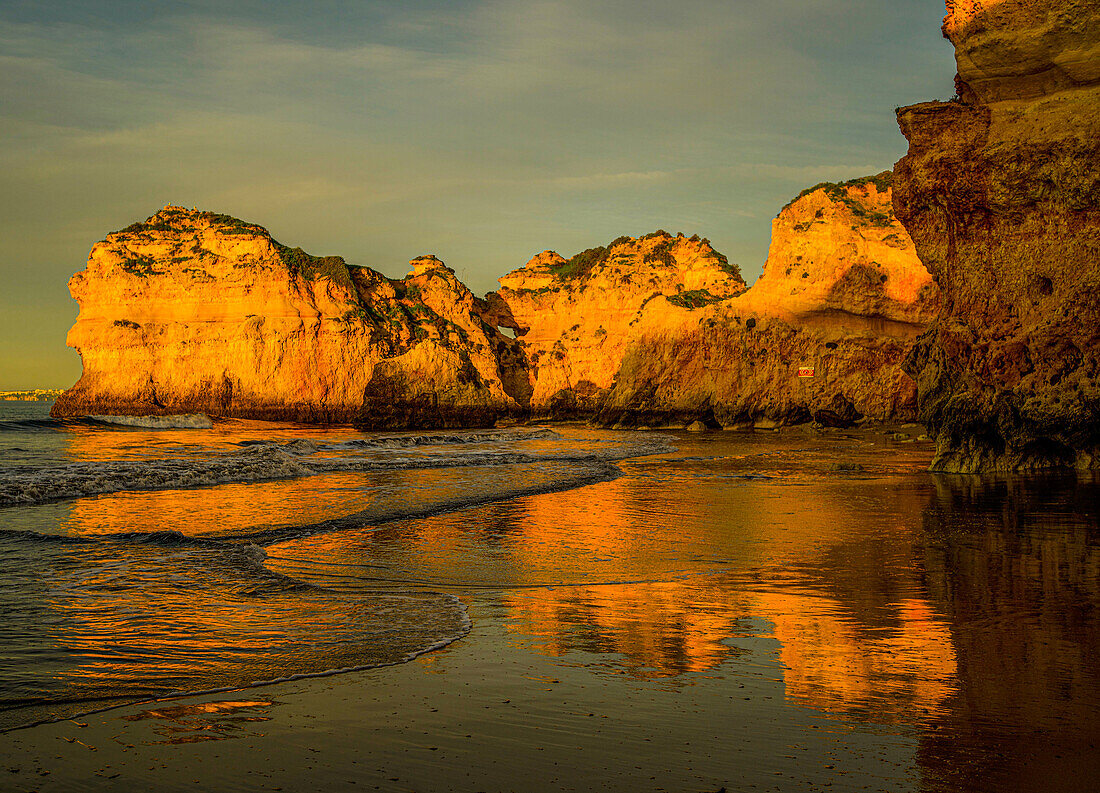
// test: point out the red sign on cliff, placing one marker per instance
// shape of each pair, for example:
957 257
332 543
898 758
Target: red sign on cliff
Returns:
805 371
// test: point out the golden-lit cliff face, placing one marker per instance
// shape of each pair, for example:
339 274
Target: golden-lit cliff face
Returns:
842 292
576 317
839 248
1001 193
195 312
462 372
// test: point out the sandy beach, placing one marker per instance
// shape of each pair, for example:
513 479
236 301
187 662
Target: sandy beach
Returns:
487 713
798 610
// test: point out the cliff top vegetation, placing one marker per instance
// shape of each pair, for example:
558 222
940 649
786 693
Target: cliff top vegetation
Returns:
174 219
586 261
838 191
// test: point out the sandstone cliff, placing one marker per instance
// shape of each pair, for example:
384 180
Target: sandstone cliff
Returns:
1000 191
577 317
842 292
196 312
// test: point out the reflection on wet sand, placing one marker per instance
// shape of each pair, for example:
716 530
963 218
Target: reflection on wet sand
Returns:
661 572
658 629
1015 565
964 610
204 721
971 609
896 675
835 579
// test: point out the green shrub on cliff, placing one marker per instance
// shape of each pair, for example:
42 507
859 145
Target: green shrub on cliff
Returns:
838 191
139 265
227 224
662 252
588 260
174 219
725 265
313 267
693 298
581 264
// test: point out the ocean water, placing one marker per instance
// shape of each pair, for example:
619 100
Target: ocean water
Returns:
954 620
134 552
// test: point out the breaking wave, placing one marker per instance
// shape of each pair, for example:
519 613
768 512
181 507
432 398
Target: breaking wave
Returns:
189 421
268 461
411 441
24 485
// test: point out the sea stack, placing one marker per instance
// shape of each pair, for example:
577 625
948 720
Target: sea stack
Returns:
577 317
1000 192
195 312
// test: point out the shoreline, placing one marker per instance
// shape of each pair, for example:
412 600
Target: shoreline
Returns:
479 714
795 609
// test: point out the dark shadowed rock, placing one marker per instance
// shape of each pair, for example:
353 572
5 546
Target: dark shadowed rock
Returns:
1000 191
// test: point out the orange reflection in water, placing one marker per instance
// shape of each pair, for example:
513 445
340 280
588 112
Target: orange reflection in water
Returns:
836 653
209 508
660 629
831 665
663 572
223 508
161 619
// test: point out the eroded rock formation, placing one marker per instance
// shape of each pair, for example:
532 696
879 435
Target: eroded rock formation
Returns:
577 317
1000 191
196 312
842 293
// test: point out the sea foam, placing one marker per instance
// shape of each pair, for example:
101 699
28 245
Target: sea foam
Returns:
260 461
185 421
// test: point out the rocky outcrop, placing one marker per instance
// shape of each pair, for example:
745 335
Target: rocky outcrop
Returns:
837 249
842 296
196 312
1000 191
576 318
193 312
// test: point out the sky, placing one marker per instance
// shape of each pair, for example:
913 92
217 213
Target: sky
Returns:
481 131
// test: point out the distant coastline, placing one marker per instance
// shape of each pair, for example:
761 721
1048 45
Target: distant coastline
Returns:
31 395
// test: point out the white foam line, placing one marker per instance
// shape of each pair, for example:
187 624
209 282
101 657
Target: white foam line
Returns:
30 485
180 421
